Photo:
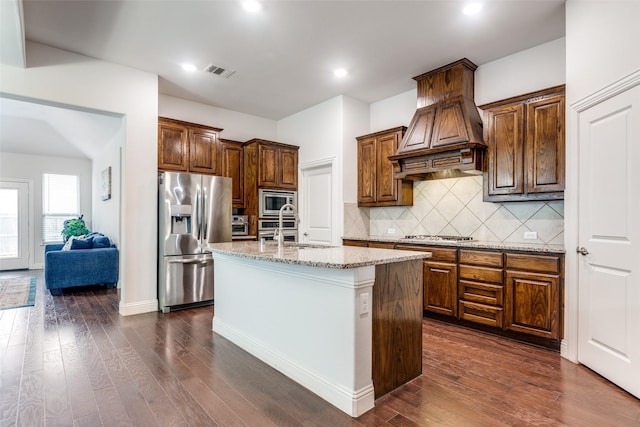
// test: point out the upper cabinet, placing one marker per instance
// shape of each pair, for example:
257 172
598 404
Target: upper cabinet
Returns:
526 147
188 147
272 164
233 167
376 183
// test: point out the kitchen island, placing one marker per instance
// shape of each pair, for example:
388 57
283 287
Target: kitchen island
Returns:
344 322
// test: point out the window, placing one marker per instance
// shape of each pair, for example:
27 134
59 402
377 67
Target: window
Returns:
60 201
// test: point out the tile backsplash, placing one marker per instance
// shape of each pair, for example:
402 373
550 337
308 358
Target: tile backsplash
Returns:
454 206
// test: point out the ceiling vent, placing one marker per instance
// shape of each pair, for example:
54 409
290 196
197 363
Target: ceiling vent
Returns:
218 71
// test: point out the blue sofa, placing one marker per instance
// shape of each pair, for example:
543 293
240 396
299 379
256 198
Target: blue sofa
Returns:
79 267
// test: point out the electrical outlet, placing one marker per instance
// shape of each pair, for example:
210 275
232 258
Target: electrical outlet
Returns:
532 235
391 231
364 303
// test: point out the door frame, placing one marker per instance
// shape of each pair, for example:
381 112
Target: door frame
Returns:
337 214
30 218
569 346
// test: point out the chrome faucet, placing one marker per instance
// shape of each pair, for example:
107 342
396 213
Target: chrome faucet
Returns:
278 231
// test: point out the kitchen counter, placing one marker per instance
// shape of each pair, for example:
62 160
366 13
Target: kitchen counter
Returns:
339 257
476 244
325 317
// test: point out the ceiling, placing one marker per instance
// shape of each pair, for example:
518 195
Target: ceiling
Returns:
284 55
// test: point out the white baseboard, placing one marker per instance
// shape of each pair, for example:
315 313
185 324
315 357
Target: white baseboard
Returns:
138 307
353 402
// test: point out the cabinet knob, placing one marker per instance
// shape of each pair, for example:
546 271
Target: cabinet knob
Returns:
582 250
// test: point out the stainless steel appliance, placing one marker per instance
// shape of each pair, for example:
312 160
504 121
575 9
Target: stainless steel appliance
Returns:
267 228
239 225
193 210
270 202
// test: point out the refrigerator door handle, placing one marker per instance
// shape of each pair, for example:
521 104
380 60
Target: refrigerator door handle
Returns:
191 261
198 217
205 215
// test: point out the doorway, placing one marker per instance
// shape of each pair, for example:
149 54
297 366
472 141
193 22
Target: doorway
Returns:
318 205
15 212
608 248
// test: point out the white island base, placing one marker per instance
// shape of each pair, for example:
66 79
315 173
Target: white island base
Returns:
309 323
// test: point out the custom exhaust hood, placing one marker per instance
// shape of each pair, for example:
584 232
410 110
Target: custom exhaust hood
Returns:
444 137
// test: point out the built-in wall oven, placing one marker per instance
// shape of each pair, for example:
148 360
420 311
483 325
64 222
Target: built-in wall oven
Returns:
270 202
267 228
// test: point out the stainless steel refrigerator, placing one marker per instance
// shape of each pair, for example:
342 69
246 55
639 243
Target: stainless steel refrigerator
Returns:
193 210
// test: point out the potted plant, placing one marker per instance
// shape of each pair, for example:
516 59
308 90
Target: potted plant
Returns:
74 227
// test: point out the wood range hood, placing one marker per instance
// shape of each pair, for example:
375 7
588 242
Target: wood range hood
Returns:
444 138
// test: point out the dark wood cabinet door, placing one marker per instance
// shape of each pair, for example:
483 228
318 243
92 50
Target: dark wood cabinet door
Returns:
204 152
532 303
505 153
386 185
288 173
232 166
367 171
545 149
525 138
269 164
440 287
173 148
377 185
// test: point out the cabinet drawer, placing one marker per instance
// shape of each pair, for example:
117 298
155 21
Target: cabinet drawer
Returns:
482 274
481 313
536 263
485 258
484 293
437 254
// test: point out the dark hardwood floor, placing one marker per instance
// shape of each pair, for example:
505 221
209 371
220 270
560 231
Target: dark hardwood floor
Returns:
73 360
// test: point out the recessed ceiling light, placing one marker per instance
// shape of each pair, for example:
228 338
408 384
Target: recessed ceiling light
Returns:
472 8
251 6
340 72
189 67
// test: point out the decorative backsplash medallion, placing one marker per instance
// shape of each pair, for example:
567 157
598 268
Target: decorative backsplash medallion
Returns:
454 206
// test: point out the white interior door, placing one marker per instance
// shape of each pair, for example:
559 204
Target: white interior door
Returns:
317 208
14 225
609 239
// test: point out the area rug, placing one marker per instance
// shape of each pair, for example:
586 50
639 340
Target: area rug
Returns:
17 292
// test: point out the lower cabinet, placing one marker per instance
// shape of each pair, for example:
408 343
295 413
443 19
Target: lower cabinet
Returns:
507 291
481 287
533 299
440 283
440 279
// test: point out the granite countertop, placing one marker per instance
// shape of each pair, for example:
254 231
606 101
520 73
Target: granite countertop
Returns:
340 257
475 244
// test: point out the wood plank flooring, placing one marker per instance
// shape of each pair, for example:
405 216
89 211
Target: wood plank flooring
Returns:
73 360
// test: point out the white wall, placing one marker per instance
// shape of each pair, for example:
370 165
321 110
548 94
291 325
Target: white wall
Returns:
236 126
58 76
394 111
106 213
602 47
30 168
526 71
602 44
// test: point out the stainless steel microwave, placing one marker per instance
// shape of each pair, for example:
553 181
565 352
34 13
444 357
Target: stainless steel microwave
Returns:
270 202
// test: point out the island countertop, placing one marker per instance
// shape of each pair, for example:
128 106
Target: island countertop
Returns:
339 257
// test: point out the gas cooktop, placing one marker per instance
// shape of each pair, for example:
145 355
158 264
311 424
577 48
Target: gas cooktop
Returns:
437 237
